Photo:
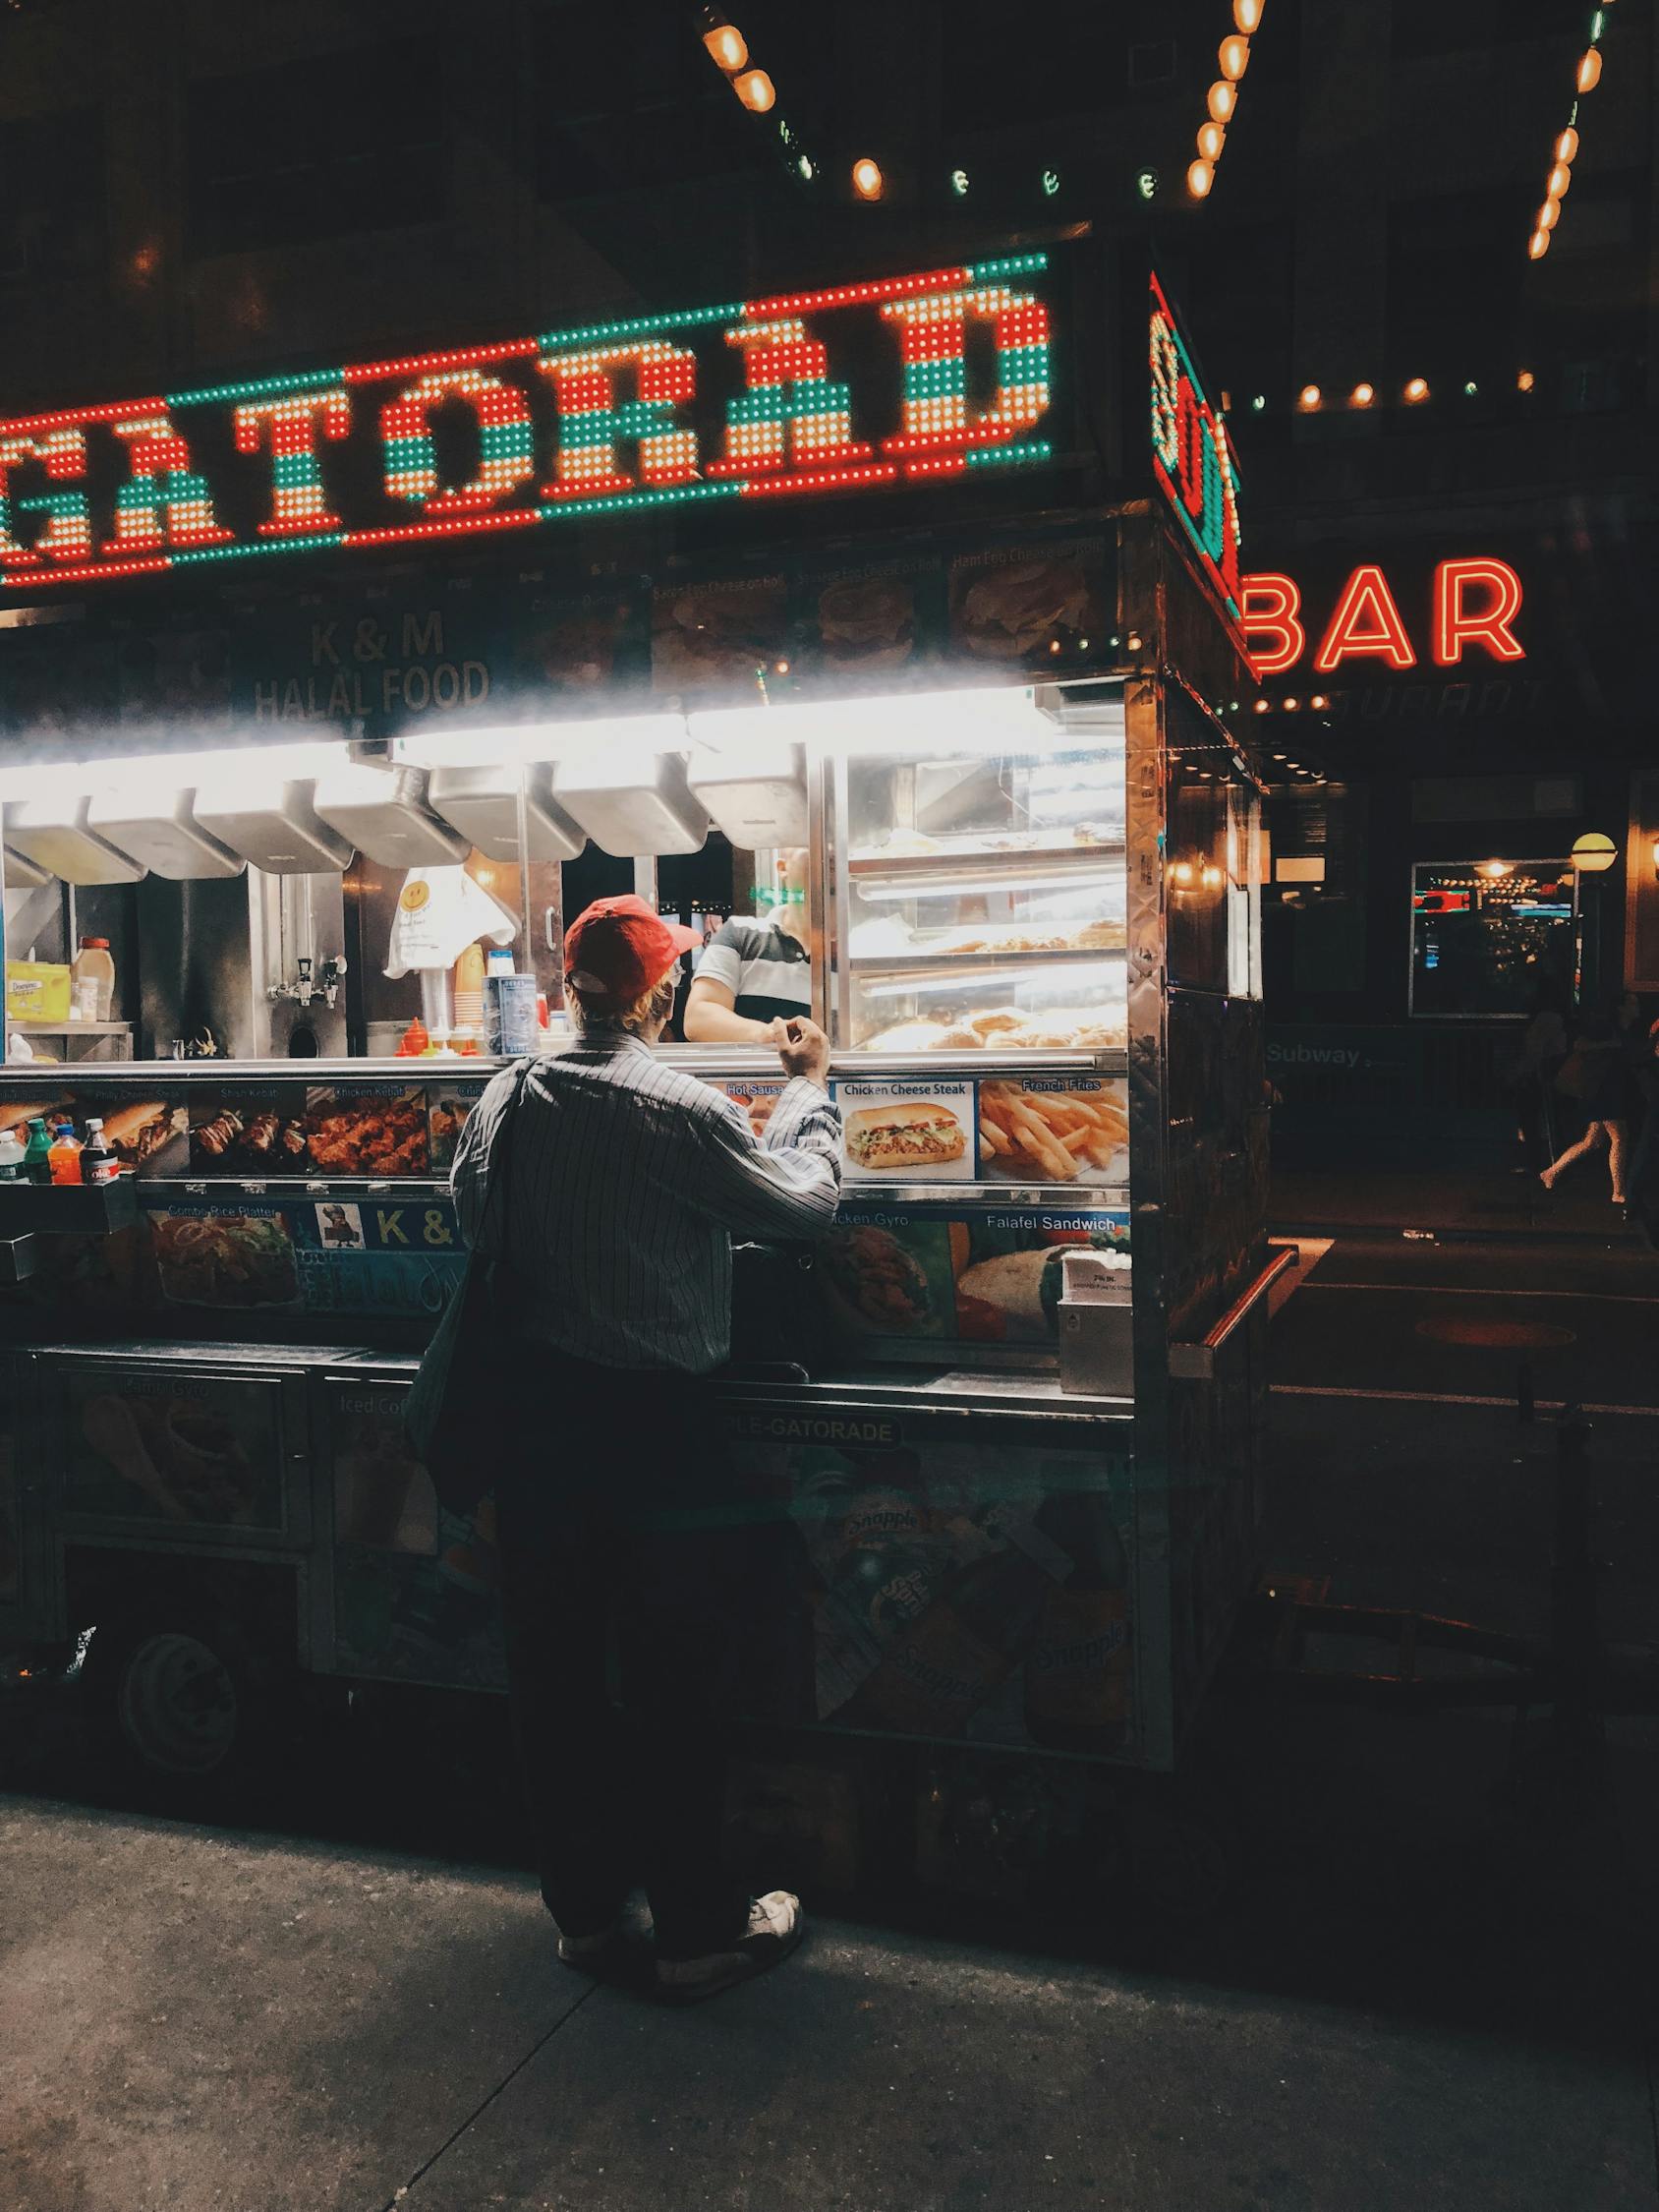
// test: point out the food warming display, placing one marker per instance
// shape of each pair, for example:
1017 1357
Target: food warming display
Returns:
984 889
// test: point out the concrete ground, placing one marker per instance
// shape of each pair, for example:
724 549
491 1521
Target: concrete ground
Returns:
1427 1988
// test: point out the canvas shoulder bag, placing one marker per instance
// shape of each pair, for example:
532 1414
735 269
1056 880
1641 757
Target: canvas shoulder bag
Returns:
458 1418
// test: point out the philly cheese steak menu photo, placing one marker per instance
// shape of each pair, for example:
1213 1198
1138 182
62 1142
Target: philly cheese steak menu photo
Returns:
920 1131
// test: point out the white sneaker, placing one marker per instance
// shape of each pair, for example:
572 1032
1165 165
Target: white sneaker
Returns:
589 1950
776 1927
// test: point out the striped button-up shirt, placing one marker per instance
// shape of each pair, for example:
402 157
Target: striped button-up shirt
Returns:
626 1181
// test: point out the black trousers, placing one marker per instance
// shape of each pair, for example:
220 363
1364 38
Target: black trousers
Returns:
622 1571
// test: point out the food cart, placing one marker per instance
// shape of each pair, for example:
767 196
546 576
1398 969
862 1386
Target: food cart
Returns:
990 687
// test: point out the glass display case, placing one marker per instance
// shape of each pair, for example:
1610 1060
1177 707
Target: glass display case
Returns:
980 885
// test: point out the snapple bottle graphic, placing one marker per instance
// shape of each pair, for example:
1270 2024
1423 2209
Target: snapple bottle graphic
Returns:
938 1674
1077 1674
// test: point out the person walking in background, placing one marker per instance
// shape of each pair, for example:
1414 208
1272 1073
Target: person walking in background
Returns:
1543 1050
1643 1184
1597 1073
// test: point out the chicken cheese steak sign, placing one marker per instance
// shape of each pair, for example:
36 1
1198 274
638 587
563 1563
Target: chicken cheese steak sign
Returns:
846 390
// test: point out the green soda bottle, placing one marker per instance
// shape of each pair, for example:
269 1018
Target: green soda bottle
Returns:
37 1157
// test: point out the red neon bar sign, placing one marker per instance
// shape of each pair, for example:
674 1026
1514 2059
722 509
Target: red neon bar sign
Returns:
531 432
1473 603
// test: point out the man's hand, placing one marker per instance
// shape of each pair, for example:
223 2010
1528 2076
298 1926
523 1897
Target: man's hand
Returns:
805 1051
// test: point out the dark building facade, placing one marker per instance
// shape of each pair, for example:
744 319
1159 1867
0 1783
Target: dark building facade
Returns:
1446 446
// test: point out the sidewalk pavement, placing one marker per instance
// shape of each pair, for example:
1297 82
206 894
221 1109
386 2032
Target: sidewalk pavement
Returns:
1482 1203
217 2021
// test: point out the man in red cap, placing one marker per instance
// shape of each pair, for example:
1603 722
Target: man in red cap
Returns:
624 1181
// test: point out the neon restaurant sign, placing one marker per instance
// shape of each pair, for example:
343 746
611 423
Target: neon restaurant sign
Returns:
1472 605
1192 458
530 432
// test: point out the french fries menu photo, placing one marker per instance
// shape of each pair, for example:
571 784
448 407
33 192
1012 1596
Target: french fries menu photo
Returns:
1064 1128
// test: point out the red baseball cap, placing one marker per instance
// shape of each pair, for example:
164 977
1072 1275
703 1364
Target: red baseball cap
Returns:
617 950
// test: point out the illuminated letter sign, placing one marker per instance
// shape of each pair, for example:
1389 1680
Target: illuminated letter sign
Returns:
298 508
1473 603
68 534
1190 455
1365 621
1495 589
604 415
1271 605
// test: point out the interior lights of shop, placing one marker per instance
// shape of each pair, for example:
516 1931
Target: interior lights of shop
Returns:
1362 395
1233 58
1565 151
1308 399
868 181
788 431
1416 391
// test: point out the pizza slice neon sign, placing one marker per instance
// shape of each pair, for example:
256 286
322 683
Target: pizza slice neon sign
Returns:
569 424
1473 603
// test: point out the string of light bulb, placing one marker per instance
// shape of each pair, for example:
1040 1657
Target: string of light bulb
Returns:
729 51
1412 391
1565 151
1232 59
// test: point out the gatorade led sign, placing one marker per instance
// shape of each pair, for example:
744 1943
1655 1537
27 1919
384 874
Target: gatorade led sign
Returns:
1192 458
1472 605
752 399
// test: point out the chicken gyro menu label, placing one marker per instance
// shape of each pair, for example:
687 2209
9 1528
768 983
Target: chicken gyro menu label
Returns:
894 1271
916 1131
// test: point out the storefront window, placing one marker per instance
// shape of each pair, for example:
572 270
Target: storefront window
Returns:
1490 938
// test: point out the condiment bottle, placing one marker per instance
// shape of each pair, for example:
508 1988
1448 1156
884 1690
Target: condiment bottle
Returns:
98 1164
63 1157
11 1156
94 965
37 1157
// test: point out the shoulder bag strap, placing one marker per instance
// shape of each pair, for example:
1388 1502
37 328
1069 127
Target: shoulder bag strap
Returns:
500 1153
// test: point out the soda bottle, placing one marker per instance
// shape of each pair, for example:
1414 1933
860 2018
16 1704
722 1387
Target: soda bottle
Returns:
37 1154
63 1158
1077 1676
98 1164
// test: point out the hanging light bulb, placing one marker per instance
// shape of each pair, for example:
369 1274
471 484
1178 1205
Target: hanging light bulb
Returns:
1234 58
1416 390
1222 99
756 89
1566 146
727 47
867 178
1200 176
1308 398
1248 13
1589 69
1525 380
1560 178
1362 395
1538 245
1548 215
1211 138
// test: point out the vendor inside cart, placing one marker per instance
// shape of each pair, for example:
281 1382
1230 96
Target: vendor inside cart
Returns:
756 975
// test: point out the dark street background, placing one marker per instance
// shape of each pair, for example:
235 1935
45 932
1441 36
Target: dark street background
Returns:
1411 1975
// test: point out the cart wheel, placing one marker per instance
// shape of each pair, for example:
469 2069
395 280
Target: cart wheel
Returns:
176 1693
1182 1864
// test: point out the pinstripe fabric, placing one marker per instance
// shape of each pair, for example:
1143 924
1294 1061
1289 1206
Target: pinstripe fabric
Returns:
627 1180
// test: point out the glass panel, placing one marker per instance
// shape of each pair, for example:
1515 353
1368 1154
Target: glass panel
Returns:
985 898
1491 937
